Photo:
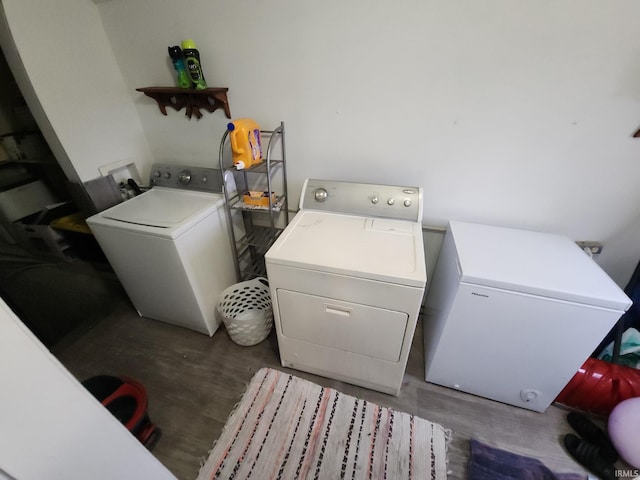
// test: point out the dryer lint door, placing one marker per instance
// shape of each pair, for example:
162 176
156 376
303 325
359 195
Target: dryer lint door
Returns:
362 329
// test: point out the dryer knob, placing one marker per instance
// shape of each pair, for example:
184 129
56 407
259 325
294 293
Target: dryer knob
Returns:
167 175
320 194
391 201
184 177
407 202
157 173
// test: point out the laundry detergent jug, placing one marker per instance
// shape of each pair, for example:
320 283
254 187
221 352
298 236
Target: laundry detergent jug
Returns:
246 146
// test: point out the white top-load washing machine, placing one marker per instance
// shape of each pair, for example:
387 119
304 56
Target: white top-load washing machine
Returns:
513 314
170 246
347 278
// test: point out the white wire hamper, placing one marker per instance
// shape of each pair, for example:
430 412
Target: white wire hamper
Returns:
246 311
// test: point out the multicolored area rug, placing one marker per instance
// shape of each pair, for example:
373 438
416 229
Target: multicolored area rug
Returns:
288 428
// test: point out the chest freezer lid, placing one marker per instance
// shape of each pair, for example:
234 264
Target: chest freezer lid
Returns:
163 207
365 247
535 263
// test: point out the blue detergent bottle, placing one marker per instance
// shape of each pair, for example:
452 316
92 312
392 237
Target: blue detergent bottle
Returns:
178 64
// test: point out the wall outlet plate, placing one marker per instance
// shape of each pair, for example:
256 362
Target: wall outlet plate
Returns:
122 171
594 247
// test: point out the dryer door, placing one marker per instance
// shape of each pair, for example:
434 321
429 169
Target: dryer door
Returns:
352 327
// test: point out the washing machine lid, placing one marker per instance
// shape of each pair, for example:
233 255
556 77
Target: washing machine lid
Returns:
533 263
163 207
381 249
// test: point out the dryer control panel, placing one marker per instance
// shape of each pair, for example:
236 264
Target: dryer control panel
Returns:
186 178
371 200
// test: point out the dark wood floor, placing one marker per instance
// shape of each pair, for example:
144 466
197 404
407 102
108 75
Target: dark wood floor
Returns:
194 381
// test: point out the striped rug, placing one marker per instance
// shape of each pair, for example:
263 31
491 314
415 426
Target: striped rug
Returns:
288 428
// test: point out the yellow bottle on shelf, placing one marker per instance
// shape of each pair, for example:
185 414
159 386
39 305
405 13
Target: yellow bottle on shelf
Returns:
246 145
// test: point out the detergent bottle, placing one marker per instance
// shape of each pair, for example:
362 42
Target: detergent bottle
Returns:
246 146
192 60
182 79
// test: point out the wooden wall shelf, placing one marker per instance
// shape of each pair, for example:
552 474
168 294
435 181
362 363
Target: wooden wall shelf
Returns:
209 99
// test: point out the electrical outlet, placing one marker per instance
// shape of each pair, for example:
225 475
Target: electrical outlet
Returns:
594 247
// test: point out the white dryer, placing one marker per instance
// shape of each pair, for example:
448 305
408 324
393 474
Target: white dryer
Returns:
170 246
347 278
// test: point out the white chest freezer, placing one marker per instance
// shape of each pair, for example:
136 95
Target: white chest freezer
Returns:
512 314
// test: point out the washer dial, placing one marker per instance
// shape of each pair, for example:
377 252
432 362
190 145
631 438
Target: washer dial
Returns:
320 194
184 177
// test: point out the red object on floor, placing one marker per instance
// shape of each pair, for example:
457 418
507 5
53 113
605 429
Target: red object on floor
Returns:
127 400
599 386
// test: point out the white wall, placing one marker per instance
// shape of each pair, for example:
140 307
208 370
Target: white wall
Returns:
622 253
51 426
59 52
511 115
519 116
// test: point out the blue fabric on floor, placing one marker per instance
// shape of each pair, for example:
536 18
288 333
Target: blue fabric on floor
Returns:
490 463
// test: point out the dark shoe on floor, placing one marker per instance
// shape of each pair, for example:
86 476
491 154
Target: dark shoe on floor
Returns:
590 432
588 455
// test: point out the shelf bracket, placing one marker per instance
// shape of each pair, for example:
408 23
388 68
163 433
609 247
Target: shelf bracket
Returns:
209 99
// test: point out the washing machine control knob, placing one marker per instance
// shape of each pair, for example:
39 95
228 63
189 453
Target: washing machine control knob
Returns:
184 177
391 201
320 194
157 173
407 202
167 175
374 199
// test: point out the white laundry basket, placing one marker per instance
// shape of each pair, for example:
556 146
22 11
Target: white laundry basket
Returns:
246 311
